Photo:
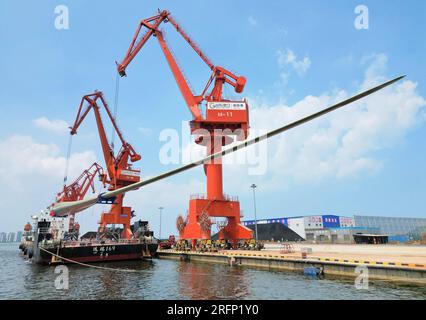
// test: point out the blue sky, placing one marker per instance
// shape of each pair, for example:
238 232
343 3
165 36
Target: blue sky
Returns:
287 50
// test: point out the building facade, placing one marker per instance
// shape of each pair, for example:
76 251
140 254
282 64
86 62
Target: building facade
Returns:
309 222
341 229
398 229
338 234
315 228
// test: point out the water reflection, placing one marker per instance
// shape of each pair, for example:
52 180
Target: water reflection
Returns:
120 284
209 281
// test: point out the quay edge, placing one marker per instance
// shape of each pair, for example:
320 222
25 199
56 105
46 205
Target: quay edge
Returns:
395 274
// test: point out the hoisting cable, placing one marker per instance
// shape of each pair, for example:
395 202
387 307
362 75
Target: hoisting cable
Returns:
117 89
67 161
119 269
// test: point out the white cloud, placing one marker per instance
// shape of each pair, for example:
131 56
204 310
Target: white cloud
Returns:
341 145
288 57
376 68
253 21
55 125
23 160
31 174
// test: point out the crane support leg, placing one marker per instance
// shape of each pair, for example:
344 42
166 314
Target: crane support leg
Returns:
201 209
118 215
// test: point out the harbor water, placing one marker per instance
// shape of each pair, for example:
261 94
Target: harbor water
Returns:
169 279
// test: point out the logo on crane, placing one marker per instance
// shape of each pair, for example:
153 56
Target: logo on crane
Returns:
226 105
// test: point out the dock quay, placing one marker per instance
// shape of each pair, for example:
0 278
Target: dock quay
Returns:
384 263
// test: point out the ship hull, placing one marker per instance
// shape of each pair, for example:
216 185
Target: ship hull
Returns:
96 253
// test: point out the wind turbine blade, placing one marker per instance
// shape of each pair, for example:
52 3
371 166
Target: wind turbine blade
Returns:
68 207
63 208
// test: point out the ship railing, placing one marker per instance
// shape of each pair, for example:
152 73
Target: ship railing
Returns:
84 242
201 196
124 241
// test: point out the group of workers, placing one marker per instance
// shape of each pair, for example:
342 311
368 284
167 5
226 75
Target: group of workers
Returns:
208 245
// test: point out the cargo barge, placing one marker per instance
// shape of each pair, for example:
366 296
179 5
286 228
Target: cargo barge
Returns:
48 243
95 251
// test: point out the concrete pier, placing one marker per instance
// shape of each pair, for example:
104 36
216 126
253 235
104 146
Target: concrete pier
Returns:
398 271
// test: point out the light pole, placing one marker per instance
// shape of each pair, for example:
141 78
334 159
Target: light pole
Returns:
253 186
161 209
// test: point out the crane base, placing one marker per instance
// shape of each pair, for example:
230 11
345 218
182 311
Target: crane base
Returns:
122 217
196 228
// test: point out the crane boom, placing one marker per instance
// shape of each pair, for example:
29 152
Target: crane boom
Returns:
191 101
112 162
135 45
219 75
190 42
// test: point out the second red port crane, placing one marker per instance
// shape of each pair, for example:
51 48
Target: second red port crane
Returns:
77 190
224 120
118 167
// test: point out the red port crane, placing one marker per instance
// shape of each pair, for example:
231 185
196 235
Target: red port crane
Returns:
224 119
120 171
77 190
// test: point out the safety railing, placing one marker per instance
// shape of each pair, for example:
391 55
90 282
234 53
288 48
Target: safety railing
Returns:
202 196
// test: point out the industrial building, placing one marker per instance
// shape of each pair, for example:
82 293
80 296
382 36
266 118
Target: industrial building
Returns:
342 229
341 234
318 228
397 228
